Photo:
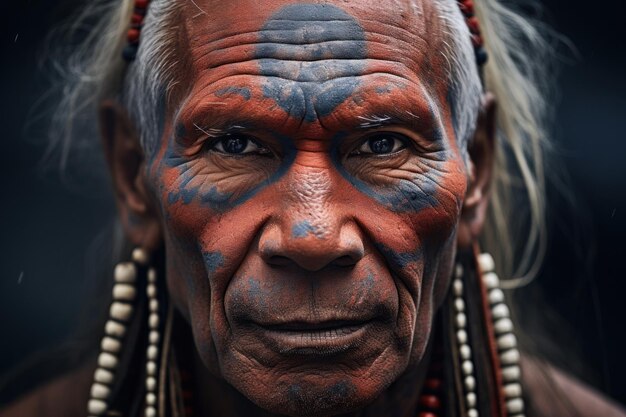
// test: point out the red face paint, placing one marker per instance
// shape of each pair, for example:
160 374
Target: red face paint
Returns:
311 186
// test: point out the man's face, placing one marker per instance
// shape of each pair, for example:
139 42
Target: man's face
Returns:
310 184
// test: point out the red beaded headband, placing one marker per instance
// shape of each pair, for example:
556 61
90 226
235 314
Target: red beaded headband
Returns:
141 7
467 8
132 36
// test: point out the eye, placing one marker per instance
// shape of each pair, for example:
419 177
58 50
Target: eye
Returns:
382 144
239 145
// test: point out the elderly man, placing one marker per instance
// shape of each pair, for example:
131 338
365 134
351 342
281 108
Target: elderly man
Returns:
300 180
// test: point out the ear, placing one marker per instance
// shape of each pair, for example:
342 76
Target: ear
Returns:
482 157
125 157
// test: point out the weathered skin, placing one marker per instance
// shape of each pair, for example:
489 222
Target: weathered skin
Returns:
307 229
308 267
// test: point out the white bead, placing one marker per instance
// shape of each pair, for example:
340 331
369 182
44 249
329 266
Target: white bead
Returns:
511 373
125 272
96 407
154 337
507 341
150 398
153 320
470 398
509 357
151 368
512 390
496 296
459 304
107 360
468 368
153 352
151 290
151 383
100 391
461 336
465 351
491 280
472 412
103 376
154 305
152 275
121 311
503 326
150 411
124 292
486 262
110 345
458 287
500 311
470 383
458 271
140 256
114 329
461 320
515 405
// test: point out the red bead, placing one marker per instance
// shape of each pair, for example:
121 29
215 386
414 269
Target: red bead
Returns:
427 414
477 41
141 3
132 35
136 19
433 384
430 401
467 8
472 22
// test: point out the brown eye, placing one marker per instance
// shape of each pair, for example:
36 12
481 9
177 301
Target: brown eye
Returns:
239 145
382 144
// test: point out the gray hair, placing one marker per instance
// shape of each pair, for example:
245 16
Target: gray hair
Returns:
515 74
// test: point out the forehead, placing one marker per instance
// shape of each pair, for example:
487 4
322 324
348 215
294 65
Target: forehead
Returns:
328 50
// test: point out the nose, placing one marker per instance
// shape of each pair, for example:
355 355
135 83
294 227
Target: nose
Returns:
310 231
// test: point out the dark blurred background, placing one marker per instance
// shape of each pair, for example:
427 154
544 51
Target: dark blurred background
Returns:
47 224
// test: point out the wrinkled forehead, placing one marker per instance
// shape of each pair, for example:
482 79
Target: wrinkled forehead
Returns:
410 33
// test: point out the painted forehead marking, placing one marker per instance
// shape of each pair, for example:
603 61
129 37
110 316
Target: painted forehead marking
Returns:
311 55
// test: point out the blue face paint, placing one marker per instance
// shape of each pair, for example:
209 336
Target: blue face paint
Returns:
242 91
302 229
213 198
404 196
255 294
213 261
311 55
398 260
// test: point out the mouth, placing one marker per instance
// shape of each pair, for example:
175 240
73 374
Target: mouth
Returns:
315 338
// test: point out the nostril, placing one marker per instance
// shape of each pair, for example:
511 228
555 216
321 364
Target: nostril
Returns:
278 260
344 261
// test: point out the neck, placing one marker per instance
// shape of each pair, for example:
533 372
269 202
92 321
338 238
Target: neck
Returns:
215 397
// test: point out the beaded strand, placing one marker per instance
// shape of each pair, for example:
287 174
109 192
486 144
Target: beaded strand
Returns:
506 341
467 8
120 314
132 35
462 339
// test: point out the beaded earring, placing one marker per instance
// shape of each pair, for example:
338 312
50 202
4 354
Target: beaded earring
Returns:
129 277
504 334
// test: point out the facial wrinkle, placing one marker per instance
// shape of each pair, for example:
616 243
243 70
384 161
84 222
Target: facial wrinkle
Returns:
312 55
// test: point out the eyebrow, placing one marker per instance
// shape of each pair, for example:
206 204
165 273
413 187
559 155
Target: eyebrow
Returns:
374 121
213 131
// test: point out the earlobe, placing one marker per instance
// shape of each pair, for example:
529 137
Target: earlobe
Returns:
126 164
482 157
